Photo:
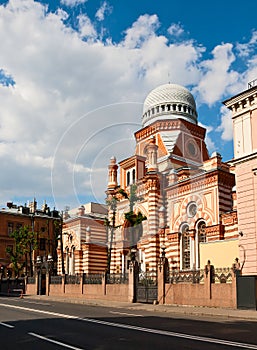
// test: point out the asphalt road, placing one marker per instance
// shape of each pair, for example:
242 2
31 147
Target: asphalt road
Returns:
30 324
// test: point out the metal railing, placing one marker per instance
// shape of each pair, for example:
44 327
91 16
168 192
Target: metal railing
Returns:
252 83
92 278
222 275
31 280
72 279
117 278
55 279
192 276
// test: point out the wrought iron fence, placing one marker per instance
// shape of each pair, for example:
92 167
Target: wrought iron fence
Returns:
222 275
56 280
117 278
147 278
192 276
72 279
92 278
31 280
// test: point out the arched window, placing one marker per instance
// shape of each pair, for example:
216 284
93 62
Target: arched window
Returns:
128 178
185 247
67 260
72 272
133 176
200 237
201 232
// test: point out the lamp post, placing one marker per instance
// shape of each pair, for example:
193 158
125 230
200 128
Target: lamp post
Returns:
113 207
163 247
133 255
60 237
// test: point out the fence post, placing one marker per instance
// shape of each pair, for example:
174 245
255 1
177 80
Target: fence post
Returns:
47 283
208 279
81 281
104 280
63 284
161 280
133 275
36 282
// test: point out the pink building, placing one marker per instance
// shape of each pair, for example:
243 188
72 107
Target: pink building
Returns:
244 116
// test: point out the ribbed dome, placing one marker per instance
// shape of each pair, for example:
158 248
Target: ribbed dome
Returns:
169 101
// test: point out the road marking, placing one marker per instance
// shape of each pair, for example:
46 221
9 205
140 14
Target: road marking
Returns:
6 325
54 341
124 313
141 329
36 302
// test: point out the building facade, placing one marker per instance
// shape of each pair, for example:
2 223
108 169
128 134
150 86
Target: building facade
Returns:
187 196
43 223
244 117
83 247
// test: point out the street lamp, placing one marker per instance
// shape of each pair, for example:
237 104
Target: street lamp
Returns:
50 263
61 241
133 254
163 247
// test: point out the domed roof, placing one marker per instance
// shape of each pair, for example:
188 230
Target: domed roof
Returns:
169 101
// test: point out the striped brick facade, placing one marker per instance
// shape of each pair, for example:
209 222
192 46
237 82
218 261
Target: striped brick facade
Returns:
181 188
84 240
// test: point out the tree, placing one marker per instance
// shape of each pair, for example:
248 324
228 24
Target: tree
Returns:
25 242
134 220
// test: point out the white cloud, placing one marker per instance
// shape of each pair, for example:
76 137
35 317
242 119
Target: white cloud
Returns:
217 74
73 3
245 49
77 100
141 31
226 126
86 28
176 29
102 11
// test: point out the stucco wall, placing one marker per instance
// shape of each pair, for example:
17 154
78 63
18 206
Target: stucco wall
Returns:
220 253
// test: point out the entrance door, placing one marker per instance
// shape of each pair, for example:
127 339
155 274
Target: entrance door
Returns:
41 290
147 287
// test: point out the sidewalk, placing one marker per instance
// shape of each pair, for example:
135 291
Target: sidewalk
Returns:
165 309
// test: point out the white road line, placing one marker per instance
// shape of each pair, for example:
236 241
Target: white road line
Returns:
54 341
6 325
36 302
124 313
141 329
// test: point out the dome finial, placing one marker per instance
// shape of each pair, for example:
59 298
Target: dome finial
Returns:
168 77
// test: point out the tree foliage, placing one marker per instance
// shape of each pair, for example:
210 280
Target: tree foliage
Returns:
25 242
133 218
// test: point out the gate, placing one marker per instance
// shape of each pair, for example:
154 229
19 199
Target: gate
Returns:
147 287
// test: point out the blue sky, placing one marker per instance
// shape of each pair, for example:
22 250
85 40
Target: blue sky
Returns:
74 75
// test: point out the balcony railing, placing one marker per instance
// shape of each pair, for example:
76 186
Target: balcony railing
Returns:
252 83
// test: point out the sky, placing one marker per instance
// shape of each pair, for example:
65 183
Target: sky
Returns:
74 75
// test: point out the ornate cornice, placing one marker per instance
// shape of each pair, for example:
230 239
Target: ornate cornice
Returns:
152 182
164 125
201 181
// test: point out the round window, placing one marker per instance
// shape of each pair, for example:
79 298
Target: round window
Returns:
191 209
